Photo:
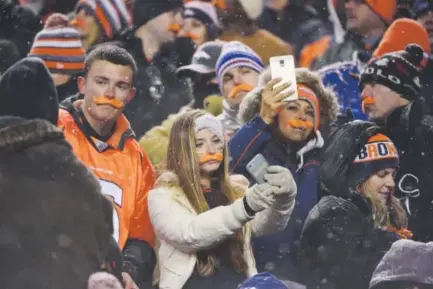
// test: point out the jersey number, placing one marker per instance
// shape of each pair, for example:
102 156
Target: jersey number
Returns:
114 191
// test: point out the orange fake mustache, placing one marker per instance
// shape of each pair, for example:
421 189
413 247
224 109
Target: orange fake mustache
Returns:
78 23
175 28
110 101
211 157
240 88
368 100
296 123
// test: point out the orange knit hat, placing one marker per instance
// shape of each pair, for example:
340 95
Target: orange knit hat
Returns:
400 34
386 9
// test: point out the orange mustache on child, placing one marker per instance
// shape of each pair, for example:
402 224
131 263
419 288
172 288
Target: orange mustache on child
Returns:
366 101
296 123
110 101
240 88
211 157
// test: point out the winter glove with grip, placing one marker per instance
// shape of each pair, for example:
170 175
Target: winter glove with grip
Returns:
282 179
259 197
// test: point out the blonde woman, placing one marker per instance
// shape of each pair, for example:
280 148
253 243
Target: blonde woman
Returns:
347 233
203 217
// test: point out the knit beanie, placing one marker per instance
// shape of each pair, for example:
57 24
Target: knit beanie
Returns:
385 9
419 7
263 280
27 90
145 10
378 153
59 46
399 71
400 33
112 16
406 261
253 8
206 14
236 54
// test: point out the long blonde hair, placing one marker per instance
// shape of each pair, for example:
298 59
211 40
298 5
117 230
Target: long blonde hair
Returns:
183 161
384 215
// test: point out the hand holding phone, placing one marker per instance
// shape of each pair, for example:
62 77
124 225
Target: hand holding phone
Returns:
283 67
273 99
257 168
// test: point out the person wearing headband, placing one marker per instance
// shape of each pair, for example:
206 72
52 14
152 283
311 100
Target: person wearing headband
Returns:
288 134
203 217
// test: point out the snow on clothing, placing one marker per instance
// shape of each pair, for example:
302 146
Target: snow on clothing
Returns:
406 261
55 222
257 137
182 233
341 245
411 130
340 242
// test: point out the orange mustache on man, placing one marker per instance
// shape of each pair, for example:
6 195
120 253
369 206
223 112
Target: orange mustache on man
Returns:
211 157
297 123
240 88
110 101
368 100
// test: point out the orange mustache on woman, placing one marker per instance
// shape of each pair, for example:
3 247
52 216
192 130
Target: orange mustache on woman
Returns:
240 88
110 101
190 35
296 123
211 157
175 28
368 100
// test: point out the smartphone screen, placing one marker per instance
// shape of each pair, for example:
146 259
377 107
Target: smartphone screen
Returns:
257 168
284 67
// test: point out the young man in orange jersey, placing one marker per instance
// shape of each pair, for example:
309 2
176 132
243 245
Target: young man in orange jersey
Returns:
101 137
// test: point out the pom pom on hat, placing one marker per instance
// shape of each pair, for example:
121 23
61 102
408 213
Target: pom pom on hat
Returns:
59 46
400 71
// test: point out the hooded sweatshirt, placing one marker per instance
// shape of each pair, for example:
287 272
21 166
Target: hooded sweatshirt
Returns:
27 90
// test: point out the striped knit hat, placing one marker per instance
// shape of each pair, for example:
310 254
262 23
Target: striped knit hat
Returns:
59 46
111 15
236 54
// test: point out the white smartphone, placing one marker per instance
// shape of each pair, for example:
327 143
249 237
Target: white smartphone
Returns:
257 168
284 67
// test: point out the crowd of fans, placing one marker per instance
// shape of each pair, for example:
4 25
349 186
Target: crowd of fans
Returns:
130 131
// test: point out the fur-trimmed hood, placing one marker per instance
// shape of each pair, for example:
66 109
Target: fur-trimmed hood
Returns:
250 105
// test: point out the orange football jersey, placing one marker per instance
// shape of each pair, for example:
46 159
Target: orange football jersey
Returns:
124 171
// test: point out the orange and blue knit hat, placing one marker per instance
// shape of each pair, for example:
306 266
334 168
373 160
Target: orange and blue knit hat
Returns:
59 46
378 153
112 16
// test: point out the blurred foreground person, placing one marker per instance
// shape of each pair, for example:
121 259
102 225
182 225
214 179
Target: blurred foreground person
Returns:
55 230
407 265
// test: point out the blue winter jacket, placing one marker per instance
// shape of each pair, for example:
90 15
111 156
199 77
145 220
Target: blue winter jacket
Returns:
274 252
342 78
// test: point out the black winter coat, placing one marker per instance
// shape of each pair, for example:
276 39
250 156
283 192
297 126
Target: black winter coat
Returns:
159 91
411 130
341 248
